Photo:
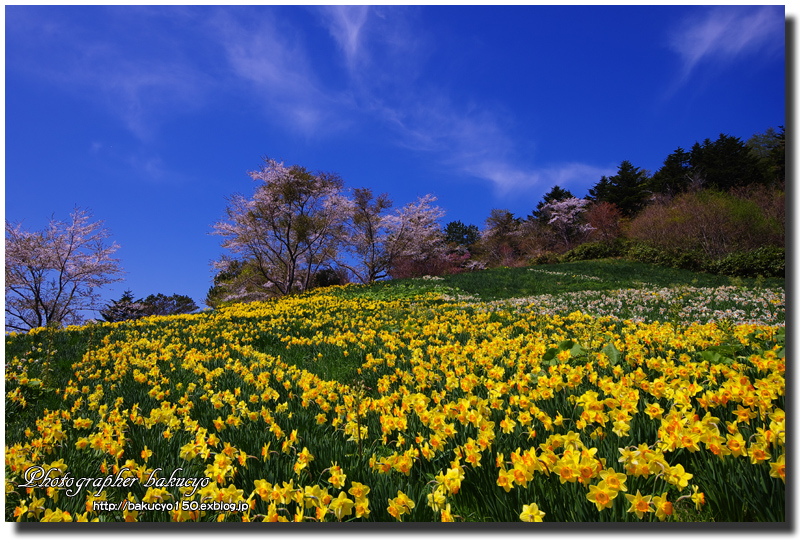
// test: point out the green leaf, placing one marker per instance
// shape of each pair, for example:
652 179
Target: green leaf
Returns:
723 350
577 350
714 357
612 353
550 354
780 335
566 345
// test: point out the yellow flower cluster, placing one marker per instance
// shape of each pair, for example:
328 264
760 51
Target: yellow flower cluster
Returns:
240 396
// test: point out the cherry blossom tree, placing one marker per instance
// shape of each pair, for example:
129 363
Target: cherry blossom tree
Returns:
414 233
52 276
281 236
565 218
374 240
365 235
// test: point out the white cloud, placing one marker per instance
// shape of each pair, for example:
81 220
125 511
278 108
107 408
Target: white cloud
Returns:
153 169
141 88
721 34
144 94
345 24
268 60
511 180
480 143
281 76
385 52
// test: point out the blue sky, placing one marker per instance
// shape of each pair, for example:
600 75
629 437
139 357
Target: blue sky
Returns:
151 116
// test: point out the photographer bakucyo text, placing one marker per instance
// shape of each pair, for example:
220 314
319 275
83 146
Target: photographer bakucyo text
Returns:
37 477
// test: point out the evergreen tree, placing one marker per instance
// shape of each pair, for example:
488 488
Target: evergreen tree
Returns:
627 189
673 177
461 235
124 309
725 163
556 194
769 148
778 157
223 282
161 304
761 144
601 190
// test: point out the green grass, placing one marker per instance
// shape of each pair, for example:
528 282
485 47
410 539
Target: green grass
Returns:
49 356
610 274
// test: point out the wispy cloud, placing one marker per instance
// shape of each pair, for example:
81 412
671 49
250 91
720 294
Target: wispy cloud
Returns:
479 142
153 168
143 95
384 57
510 180
281 74
721 34
141 86
345 24
369 78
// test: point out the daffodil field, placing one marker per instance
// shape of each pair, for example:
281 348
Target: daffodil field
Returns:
343 404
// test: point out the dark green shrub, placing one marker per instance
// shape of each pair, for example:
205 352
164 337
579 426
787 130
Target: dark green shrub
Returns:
327 277
639 251
544 258
686 260
596 250
766 261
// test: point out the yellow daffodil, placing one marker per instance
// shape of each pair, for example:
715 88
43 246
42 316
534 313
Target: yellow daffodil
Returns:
698 498
531 513
663 507
777 469
341 506
639 504
601 495
337 477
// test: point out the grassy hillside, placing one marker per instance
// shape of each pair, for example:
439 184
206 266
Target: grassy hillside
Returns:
491 396
598 275
611 287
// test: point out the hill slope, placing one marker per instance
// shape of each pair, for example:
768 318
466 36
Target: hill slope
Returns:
414 401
